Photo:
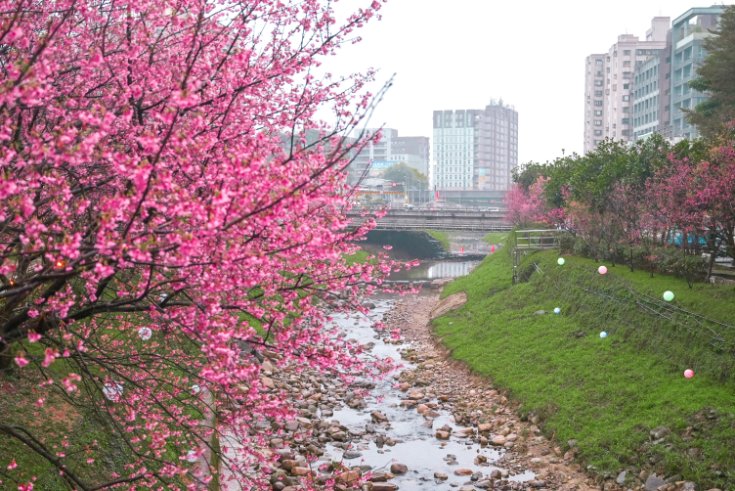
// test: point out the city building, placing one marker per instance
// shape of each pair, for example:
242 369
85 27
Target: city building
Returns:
594 105
688 32
652 93
413 151
609 98
640 88
391 149
474 149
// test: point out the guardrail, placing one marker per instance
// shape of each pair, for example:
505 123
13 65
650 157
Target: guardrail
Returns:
401 219
532 240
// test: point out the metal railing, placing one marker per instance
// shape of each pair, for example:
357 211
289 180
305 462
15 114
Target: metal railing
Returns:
532 240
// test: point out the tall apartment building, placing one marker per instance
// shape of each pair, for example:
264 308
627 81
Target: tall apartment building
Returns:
608 98
594 101
390 150
474 149
688 33
652 94
660 93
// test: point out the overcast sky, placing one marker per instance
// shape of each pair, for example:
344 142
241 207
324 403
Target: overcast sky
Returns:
460 54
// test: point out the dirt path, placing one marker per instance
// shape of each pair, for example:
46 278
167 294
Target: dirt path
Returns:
475 404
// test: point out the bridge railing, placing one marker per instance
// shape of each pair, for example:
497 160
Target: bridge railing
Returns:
532 240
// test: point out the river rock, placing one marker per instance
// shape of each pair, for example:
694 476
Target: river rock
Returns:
660 432
351 454
440 476
466 432
442 435
462 471
415 394
485 427
408 403
397 468
348 477
498 440
380 477
379 417
384 486
653 482
339 436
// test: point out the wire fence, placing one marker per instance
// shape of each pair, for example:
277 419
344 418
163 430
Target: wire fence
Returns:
681 335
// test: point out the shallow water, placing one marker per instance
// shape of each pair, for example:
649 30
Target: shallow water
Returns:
416 445
430 270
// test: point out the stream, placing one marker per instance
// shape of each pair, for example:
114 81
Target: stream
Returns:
399 434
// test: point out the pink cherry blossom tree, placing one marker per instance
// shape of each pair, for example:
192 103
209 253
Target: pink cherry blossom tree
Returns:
526 207
171 211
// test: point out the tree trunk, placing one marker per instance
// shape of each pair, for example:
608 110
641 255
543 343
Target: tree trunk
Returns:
6 356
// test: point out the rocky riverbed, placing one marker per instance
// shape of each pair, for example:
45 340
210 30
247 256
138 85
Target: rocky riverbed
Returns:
430 424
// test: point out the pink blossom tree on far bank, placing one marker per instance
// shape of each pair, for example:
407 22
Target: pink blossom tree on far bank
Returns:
170 209
525 207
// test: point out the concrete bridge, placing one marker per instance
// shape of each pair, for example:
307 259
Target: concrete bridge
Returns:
403 219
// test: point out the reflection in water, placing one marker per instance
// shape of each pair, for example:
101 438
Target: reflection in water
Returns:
430 270
450 269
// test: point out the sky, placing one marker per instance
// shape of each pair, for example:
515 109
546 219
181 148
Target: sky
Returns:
460 54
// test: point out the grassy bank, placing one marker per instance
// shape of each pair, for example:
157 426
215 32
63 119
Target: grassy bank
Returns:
441 237
607 393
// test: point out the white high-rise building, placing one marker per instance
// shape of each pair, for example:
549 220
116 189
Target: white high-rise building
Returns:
474 149
609 84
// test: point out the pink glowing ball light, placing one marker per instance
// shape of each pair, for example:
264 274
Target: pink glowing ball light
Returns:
602 270
688 373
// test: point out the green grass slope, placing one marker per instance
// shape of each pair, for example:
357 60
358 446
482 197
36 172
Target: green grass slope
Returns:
607 394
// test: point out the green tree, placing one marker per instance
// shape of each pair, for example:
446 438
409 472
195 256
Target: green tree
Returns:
715 77
526 175
408 176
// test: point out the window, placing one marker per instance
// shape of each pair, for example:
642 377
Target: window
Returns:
626 98
626 63
626 52
626 86
598 93
598 113
598 122
598 103
598 132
